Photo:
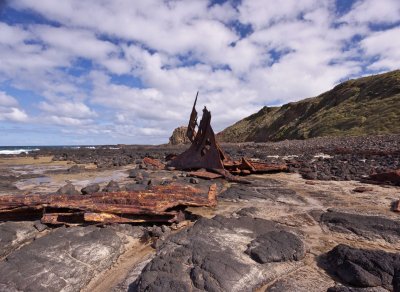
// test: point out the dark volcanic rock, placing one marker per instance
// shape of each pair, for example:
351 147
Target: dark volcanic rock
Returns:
64 260
134 173
361 225
92 188
387 177
135 187
112 186
207 257
68 189
276 246
365 268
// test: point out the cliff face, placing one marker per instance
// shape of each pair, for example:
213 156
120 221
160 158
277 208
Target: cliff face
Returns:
179 136
368 105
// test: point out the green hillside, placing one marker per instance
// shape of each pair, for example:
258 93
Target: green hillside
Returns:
368 105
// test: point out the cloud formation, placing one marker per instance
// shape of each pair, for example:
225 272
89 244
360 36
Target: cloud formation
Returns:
127 71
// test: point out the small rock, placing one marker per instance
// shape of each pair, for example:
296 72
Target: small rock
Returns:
165 229
396 206
193 180
134 173
310 175
40 226
74 169
68 189
362 189
92 188
112 186
309 182
171 168
134 187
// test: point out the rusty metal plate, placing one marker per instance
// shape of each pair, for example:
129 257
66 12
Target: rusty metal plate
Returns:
152 205
204 174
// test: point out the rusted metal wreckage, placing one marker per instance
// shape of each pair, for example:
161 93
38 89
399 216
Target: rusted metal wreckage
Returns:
206 153
158 204
165 203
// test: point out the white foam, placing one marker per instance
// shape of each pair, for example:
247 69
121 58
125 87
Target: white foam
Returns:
17 151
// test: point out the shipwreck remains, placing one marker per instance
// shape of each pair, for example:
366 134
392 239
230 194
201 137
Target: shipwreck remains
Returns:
206 153
158 204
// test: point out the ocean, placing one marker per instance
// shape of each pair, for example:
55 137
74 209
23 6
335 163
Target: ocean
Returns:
11 150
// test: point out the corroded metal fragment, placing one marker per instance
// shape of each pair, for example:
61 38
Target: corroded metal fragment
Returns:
160 204
204 174
205 153
155 163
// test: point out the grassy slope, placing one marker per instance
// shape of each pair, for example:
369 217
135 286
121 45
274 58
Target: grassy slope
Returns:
369 105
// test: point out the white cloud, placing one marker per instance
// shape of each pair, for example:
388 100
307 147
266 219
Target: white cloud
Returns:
13 114
367 11
68 109
9 109
6 100
383 45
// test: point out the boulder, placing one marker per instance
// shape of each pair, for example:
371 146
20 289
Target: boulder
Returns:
365 268
68 189
276 246
112 186
179 136
92 188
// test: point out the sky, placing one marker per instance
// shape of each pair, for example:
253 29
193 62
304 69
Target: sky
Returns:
85 72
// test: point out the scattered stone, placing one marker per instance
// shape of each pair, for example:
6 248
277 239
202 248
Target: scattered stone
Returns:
392 177
92 188
75 169
39 226
134 187
276 246
249 211
68 189
396 206
310 182
362 189
193 180
112 186
310 175
365 268
134 173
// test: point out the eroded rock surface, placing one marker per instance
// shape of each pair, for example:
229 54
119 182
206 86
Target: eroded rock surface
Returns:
211 256
13 234
66 260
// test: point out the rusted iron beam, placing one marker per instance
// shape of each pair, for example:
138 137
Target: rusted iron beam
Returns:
204 174
155 163
191 129
156 205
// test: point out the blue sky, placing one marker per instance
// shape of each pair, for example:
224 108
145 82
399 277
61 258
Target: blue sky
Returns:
108 72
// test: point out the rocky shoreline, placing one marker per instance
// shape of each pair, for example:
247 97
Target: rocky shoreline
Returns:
319 227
